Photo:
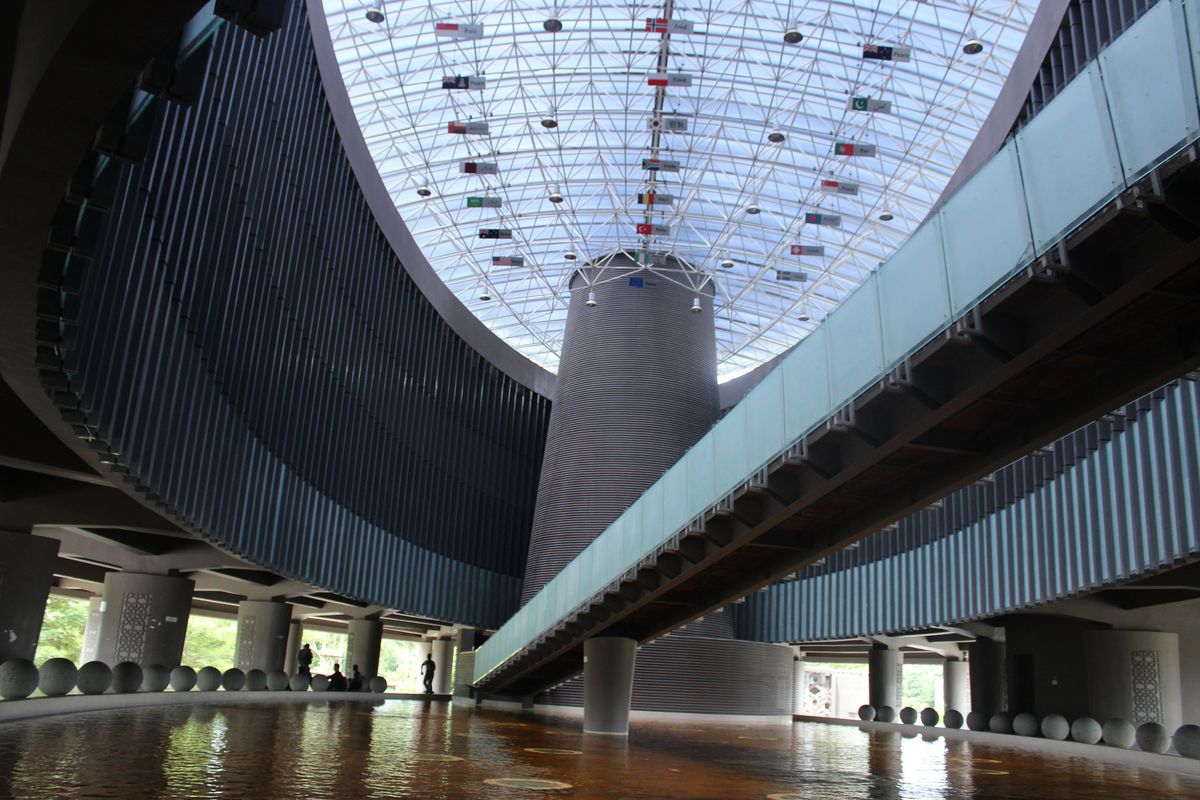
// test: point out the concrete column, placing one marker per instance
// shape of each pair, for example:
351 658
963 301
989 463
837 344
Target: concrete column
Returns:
143 619
608 663
988 670
954 682
442 651
91 631
1134 675
294 642
362 648
885 681
26 572
262 635
798 686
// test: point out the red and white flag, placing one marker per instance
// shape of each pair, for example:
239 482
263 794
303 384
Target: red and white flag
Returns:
839 187
651 229
664 25
808 249
675 79
467 127
459 30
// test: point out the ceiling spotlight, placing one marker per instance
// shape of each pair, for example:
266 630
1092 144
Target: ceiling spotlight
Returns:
375 12
793 36
569 255
727 263
696 309
485 296
591 301
803 317
886 216
776 136
424 191
549 121
753 208
973 46
556 197
552 25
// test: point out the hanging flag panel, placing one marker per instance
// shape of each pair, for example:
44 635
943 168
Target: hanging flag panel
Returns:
808 249
655 199
652 229
459 30
660 165
495 233
485 201
883 52
676 79
870 105
480 168
673 124
467 127
819 218
664 25
464 82
839 187
853 149
795 275
508 261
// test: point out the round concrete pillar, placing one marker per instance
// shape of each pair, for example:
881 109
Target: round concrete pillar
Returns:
608 684
955 686
362 648
884 679
143 619
988 672
262 635
638 346
798 686
26 571
294 643
442 651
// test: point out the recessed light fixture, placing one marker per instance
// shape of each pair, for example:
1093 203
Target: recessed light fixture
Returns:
793 36
375 13
552 25
424 191
556 197
973 46
886 216
727 263
570 255
776 136
753 209
485 296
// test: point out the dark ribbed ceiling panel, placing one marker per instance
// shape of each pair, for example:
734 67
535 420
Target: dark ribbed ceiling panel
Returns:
253 350
636 388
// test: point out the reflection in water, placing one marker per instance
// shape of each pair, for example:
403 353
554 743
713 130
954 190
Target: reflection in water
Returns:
430 751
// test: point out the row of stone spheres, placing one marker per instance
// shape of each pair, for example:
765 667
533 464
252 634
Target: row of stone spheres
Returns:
1150 737
58 676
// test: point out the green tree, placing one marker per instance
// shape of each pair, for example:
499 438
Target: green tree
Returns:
210 642
62 629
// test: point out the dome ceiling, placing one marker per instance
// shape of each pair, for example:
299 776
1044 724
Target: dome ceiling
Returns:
783 171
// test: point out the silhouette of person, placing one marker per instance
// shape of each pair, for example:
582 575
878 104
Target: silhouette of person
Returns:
428 668
304 660
356 680
337 681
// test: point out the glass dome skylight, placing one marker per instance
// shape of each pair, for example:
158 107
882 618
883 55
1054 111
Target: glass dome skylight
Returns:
754 122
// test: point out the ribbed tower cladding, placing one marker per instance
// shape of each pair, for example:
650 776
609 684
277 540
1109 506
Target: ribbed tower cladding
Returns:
637 386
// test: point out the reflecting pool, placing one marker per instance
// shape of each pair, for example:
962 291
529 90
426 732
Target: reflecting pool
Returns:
355 750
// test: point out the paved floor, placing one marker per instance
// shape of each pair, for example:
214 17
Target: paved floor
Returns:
422 750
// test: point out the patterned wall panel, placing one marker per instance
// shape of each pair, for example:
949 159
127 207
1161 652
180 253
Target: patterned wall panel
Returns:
245 642
131 631
1116 499
1147 688
255 353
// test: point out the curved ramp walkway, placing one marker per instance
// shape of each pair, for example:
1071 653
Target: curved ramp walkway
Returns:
1056 284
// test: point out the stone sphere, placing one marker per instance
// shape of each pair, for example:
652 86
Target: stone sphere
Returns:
183 679
929 717
126 677
94 678
208 679
1119 733
1187 741
298 683
155 678
57 677
1152 737
320 683
18 678
866 713
954 719
908 715
233 680
1025 724
256 680
977 721
378 684
1000 723
1086 730
1055 726
277 680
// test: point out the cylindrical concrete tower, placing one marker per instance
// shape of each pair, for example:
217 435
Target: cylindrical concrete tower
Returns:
637 386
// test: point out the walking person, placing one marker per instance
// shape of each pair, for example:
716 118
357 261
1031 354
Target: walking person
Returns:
304 660
428 668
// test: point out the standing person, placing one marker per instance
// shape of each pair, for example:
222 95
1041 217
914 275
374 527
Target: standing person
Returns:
428 668
304 660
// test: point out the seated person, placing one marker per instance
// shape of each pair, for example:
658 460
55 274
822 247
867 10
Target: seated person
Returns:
356 680
337 681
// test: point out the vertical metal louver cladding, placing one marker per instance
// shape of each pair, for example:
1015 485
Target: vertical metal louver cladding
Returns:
637 387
